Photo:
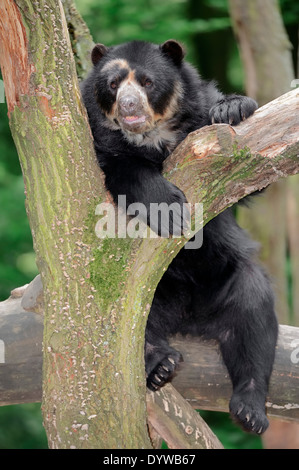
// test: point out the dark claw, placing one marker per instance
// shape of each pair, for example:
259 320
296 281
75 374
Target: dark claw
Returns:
249 411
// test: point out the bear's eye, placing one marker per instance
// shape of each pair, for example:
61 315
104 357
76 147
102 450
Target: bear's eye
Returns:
113 84
148 83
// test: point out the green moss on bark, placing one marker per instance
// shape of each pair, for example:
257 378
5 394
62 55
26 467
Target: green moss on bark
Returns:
109 270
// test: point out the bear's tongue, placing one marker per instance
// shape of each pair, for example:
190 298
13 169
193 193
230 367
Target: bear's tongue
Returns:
133 119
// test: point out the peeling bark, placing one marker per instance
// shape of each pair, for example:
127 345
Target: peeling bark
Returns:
13 50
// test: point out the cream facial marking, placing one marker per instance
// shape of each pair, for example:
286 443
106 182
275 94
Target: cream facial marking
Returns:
130 86
121 63
160 133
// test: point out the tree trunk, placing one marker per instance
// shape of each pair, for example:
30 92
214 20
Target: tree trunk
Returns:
264 47
80 37
98 293
86 334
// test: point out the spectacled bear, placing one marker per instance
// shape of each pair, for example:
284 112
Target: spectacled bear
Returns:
142 100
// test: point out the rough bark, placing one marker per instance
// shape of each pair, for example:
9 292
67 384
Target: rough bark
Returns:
97 293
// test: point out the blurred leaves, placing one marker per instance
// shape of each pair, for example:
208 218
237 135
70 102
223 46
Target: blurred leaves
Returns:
290 11
229 433
21 427
115 21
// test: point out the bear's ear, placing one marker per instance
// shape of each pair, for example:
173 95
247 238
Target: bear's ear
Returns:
174 50
98 52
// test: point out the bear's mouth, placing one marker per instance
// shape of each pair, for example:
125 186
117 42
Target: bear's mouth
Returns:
131 120
135 123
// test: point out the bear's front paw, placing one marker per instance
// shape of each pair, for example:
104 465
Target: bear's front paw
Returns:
249 411
170 216
232 110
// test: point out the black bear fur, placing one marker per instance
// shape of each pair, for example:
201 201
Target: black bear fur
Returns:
142 101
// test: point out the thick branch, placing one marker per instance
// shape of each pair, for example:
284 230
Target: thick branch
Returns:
218 165
175 420
202 378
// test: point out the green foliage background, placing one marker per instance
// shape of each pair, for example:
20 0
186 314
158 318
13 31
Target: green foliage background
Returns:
204 27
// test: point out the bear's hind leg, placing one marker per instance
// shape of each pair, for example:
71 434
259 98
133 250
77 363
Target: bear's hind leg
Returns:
247 342
171 303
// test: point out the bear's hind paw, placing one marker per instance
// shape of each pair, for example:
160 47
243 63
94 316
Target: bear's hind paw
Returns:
247 412
163 372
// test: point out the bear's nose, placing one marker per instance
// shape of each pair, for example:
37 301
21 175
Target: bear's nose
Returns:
128 104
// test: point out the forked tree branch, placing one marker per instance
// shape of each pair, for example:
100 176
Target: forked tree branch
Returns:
278 160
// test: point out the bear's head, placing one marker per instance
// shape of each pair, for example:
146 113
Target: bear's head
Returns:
137 84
